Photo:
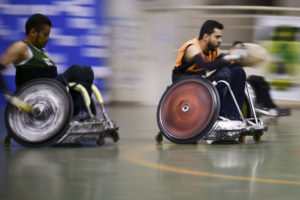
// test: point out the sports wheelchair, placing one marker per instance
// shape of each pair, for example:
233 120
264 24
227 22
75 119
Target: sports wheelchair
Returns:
189 111
40 113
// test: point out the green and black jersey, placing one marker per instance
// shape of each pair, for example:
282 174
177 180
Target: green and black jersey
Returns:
38 65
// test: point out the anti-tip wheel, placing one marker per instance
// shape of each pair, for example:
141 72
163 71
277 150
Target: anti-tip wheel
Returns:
242 139
6 141
115 136
159 137
100 141
256 137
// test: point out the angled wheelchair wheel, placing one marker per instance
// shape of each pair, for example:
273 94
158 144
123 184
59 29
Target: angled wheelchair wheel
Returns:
53 111
188 109
246 109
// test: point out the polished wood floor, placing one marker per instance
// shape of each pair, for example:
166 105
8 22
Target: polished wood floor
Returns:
138 168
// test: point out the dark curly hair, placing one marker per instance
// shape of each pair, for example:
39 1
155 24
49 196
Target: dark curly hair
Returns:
208 28
37 21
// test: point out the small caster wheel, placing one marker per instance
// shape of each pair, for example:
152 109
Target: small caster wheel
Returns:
115 136
6 141
159 137
256 137
242 139
100 141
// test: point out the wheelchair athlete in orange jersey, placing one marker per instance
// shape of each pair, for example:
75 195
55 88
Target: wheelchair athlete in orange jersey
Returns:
201 56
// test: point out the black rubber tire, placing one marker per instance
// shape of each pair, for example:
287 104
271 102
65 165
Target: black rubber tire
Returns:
242 139
201 100
6 141
100 141
115 136
159 138
36 131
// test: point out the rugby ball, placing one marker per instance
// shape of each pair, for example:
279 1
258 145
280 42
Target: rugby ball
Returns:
254 56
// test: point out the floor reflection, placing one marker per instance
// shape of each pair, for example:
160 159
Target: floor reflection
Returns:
57 173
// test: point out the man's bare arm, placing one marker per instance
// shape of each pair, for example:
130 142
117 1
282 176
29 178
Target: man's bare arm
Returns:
15 54
191 52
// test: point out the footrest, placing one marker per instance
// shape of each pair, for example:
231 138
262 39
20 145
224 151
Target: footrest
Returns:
232 129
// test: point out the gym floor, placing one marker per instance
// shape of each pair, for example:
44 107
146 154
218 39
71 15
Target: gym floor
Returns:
138 168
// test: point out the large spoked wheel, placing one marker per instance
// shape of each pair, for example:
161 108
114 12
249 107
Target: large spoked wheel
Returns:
188 110
53 111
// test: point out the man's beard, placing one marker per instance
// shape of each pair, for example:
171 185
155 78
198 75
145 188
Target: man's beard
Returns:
212 47
39 45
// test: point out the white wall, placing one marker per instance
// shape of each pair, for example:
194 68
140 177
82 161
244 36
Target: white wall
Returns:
145 43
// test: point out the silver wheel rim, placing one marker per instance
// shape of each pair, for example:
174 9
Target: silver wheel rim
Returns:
50 106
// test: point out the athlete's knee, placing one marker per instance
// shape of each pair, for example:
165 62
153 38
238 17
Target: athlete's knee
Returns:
80 74
238 72
89 74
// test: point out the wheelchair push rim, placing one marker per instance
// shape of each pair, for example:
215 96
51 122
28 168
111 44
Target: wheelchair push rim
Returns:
188 110
52 113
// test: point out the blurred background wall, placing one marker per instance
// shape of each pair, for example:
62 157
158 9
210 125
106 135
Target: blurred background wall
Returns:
132 44
146 35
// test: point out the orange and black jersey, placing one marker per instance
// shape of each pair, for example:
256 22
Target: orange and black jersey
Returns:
200 62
